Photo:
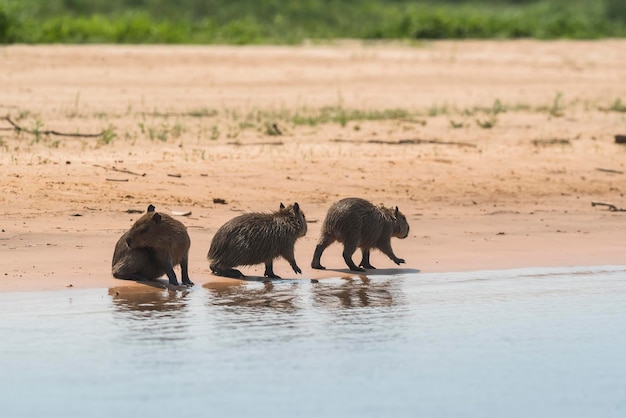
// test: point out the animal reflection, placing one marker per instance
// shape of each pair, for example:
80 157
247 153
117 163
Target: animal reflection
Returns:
148 301
353 292
245 295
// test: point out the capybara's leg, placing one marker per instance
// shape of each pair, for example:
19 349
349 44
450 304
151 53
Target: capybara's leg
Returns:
348 249
289 256
169 270
365 261
269 270
226 272
324 242
386 249
234 273
184 272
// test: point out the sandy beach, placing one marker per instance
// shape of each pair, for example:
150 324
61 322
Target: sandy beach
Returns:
192 131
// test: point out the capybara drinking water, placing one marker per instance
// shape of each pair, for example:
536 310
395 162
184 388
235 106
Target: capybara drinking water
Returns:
152 247
256 238
359 224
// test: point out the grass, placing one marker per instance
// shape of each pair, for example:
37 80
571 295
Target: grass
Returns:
230 123
293 22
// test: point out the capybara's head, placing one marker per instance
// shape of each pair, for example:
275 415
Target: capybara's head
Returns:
400 224
297 218
144 233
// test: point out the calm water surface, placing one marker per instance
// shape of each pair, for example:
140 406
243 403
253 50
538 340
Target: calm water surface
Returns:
518 343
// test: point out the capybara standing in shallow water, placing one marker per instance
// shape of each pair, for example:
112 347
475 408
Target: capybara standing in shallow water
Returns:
359 224
152 247
255 238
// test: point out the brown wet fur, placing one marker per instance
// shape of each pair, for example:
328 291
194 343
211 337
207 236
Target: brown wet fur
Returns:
357 223
152 247
256 238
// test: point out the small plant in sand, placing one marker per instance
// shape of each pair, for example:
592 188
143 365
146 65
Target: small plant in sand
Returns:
487 123
36 130
215 133
557 109
436 110
272 129
108 135
456 125
202 113
617 106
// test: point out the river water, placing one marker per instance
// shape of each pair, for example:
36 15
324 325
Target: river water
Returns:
514 343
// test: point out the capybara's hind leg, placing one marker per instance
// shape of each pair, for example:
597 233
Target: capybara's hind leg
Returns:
224 272
184 271
348 250
365 261
136 265
324 242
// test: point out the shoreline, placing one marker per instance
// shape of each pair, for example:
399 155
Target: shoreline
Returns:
492 242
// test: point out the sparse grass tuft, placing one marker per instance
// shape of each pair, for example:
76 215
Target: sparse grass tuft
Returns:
108 135
617 106
487 123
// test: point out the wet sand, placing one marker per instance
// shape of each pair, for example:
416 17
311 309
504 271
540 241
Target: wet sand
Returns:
517 194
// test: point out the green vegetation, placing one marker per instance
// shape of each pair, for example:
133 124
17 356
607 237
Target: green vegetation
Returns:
230 123
292 22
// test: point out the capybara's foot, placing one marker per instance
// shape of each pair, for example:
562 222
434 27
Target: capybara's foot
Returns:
317 265
355 268
272 276
367 266
399 261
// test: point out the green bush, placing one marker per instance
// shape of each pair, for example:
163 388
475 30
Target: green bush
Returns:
290 22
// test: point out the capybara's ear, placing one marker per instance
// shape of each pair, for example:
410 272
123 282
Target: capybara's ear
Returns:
397 211
156 218
282 206
296 208
150 208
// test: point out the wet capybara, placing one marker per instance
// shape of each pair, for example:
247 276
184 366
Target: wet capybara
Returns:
255 238
359 224
152 247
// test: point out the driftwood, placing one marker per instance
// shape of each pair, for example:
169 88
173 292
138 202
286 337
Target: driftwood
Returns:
611 206
551 141
18 128
408 142
120 170
609 170
239 144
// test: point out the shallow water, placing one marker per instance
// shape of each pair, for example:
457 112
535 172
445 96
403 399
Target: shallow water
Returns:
522 343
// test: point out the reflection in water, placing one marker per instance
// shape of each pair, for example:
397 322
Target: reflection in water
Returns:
147 313
354 292
253 294
142 302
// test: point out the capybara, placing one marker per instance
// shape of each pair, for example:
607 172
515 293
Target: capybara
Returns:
255 238
359 224
152 247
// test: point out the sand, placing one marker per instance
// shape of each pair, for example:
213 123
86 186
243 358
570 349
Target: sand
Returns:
517 194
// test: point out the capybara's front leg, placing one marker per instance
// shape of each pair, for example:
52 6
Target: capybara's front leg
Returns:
269 270
184 270
169 270
386 249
